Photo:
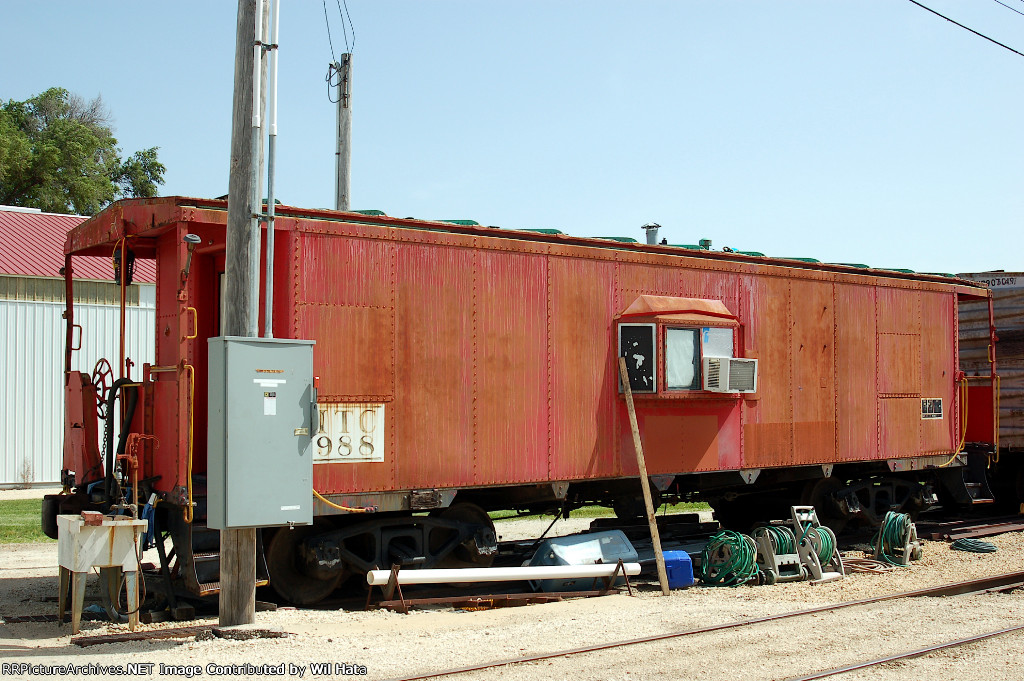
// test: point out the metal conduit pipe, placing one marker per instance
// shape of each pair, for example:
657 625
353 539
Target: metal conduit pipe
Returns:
500 574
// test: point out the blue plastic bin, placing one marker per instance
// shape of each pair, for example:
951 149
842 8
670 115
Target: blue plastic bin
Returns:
679 569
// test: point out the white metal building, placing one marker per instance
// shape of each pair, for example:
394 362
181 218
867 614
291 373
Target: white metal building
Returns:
32 336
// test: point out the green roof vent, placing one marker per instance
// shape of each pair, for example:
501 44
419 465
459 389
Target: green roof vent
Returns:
463 223
372 211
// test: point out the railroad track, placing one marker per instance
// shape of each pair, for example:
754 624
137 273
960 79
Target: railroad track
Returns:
1001 583
970 528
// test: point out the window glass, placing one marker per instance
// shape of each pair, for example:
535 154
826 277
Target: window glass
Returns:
682 359
717 342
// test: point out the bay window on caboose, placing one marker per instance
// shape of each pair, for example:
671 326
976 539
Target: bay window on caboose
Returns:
677 346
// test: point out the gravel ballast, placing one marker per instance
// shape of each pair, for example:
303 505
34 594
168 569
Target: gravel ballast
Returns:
392 645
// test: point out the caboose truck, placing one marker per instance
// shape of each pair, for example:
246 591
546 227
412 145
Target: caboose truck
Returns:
464 369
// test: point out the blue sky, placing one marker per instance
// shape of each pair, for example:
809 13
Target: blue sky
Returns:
861 131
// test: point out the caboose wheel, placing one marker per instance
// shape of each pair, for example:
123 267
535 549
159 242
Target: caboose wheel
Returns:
291 575
821 495
463 555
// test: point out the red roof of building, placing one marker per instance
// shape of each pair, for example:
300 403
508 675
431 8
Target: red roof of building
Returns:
32 244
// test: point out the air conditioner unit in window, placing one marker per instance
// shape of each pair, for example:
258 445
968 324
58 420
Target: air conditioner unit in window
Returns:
728 375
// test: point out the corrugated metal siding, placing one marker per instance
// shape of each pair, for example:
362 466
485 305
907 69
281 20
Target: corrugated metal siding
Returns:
511 375
582 405
856 390
1008 308
52 289
813 353
938 363
768 423
32 356
433 403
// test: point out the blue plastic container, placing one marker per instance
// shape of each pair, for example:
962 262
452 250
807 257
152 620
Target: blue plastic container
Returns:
679 569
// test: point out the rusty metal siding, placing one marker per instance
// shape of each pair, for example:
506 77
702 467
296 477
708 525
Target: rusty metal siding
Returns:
494 355
697 437
345 303
433 407
856 381
900 432
768 423
510 368
899 364
938 364
813 352
1008 308
346 271
898 315
584 376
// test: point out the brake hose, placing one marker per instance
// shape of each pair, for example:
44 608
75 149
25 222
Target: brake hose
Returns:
108 429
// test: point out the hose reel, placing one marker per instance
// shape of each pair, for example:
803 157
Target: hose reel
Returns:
728 560
798 549
896 542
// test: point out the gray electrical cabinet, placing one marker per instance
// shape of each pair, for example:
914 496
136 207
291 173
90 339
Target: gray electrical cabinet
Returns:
260 456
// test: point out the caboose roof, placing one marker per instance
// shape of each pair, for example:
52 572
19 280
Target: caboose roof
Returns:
151 217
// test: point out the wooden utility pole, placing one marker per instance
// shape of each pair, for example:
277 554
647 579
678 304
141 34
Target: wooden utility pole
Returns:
343 172
645 484
241 286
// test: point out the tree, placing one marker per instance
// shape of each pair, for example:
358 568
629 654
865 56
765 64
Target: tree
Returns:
58 153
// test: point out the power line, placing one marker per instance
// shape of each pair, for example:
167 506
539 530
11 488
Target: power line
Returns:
350 25
331 42
1008 7
967 28
344 31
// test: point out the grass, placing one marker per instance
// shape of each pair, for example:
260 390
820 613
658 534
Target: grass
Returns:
20 522
602 512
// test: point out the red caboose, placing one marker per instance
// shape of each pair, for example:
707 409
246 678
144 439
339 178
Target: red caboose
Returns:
464 369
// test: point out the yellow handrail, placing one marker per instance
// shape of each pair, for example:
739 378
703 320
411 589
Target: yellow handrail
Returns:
963 422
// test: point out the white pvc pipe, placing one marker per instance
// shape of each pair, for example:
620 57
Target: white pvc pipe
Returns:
274 24
268 303
499 574
257 58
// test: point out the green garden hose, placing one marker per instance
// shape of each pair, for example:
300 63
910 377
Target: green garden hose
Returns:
973 546
891 535
782 539
728 560
826 545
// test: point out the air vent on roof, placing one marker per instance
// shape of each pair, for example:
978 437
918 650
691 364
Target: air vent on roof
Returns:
728 375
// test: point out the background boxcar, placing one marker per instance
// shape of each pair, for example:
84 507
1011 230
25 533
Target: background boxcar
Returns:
1003 435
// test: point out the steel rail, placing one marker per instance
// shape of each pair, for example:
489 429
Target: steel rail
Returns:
920 652
952 589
